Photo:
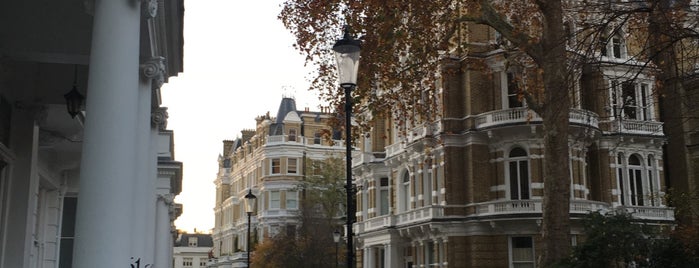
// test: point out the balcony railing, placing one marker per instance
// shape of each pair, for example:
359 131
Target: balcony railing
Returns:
420 214
509 207
652 213
524 115
505 208
301 140
395 149
413 135
639 127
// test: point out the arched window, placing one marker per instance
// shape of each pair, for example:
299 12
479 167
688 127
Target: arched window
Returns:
614 46
635 180
638 180
518 173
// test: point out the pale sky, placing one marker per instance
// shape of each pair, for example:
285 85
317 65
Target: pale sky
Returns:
238 63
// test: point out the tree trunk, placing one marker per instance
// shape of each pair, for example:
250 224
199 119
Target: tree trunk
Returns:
555 112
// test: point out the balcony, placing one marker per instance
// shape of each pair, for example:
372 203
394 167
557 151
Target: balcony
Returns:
298 140
524 115
637 127
413 216
512 207
413 135
420 214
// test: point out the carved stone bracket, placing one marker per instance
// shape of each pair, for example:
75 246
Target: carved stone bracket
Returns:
154 68
150 8
159 117
167 198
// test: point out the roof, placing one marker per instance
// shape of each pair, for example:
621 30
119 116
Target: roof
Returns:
203 240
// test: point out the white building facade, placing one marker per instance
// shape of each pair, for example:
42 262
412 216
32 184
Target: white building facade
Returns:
192 250
95 189
270 160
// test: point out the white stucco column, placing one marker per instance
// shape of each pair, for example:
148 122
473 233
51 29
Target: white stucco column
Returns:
163 237
104 218
144 186
368 257
394 257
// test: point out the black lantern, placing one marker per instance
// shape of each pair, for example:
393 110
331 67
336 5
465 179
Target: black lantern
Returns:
74 100
347 56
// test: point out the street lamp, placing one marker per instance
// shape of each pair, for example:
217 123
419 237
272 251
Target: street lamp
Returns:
347 55
249 208
336 238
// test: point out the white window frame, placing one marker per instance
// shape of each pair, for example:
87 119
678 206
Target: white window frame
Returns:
642 98
628 177
289 165
610 44
518 160
383 203
505 89
279 166
292 134
275 200
292 198
405 192
512 262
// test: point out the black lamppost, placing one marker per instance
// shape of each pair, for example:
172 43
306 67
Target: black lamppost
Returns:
347 55
249 208
336 238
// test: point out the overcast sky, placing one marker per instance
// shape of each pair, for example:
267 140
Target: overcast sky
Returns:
238 63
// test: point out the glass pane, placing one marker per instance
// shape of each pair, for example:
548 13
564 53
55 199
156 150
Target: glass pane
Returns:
524 179
514 183
518 152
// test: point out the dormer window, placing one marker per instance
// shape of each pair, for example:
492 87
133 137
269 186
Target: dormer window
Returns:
614 47
292 134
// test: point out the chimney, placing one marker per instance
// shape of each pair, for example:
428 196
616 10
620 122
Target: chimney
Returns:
227 145
247 134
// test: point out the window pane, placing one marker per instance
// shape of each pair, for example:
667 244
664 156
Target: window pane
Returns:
292 134
629 99
274 199
276 166
620 178
639 187
524 179
383 195
291 165
518 152
291 200
522 252
514 183
513 92
616 44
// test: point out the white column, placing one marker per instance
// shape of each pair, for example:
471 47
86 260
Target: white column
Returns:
368 255
24 182
144 186
104 218
163 237
394 256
